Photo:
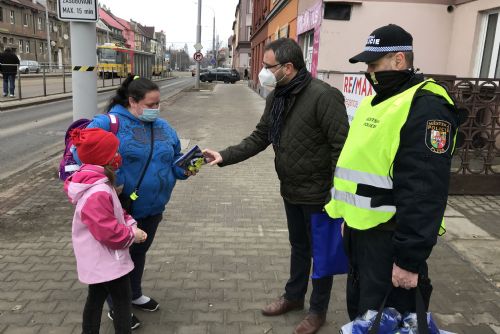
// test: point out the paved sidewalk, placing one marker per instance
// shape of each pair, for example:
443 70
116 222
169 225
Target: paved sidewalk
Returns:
222 250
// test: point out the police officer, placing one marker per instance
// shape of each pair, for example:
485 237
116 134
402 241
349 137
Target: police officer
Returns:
391 180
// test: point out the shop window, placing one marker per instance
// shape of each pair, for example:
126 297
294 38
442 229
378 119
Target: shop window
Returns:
337 11
490 53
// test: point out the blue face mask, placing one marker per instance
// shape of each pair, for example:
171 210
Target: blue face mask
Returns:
149 115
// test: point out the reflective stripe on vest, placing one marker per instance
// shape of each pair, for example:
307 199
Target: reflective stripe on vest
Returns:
360 201
368 155
364 178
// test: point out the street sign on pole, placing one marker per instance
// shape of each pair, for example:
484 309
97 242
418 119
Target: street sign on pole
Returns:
82 11
198 56
212 61
198 46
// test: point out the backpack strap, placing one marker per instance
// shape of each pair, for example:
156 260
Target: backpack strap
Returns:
114 123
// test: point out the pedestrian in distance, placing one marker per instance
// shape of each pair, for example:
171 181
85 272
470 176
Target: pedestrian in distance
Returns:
149 146
9 64
392 177
102 231
245 74
305 121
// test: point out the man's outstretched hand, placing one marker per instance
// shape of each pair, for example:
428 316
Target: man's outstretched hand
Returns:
212 157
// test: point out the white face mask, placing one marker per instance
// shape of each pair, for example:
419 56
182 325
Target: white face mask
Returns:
267 78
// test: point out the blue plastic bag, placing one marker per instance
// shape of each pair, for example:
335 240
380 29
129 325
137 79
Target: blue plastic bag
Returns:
391 322
328 249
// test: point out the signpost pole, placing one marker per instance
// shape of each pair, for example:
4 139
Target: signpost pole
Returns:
83 46
198 41
82 17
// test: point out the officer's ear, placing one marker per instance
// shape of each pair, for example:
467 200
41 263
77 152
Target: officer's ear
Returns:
400 61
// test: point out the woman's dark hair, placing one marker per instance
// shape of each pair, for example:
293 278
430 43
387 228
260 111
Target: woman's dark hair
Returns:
110 173
286 50
135 88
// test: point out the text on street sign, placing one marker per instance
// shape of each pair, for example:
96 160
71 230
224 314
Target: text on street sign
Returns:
77 10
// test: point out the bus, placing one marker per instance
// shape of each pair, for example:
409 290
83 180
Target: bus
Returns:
119 61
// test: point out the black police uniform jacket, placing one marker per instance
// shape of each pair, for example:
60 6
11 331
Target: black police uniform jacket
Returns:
421 177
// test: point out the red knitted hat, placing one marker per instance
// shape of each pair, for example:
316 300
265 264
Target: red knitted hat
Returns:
95 146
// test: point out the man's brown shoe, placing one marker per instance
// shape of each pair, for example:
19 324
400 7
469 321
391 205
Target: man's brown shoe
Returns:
311 324
281 306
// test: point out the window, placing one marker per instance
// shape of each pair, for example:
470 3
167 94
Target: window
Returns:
25 20
51 27
12 17
283 32
21 45
11 40
337 11
490 57
4 40
41 47
308 49
1 14
27 44
39 23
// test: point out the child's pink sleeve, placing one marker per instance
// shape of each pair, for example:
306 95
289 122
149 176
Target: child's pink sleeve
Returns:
129 220
98 215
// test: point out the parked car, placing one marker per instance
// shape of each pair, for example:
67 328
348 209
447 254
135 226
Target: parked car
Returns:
202 70
227 75
29 66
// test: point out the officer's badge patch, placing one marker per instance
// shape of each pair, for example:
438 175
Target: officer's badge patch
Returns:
437 136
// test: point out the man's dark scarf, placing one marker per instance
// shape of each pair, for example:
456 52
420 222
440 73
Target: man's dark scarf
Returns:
282 96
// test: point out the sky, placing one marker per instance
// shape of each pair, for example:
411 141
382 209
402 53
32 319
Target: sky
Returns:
178 18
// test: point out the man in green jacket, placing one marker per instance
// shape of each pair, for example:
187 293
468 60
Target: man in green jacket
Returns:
305 120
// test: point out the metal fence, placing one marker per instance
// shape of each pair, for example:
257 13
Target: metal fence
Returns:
476 163
43 80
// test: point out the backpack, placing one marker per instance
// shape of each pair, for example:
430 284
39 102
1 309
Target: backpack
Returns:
68 164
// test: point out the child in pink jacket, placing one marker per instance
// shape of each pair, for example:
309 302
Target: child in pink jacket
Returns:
102 231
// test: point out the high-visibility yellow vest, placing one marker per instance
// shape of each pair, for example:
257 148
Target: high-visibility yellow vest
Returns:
368 155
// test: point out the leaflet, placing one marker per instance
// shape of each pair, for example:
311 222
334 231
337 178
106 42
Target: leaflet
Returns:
191 160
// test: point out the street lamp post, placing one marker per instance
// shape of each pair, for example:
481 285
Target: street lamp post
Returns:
198 41
49 47
213 34
213 43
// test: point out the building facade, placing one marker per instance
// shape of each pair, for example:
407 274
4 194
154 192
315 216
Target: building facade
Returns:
242 30
116 33
459 37
23 28
258 38
283 19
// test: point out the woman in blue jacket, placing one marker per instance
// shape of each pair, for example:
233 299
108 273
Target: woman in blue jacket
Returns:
148 146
